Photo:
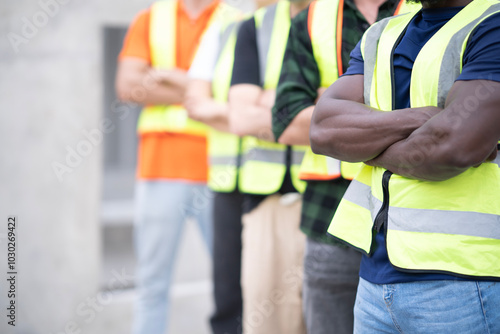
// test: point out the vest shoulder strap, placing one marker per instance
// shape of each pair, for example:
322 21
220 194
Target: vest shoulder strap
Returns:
162 32
324 31
272 29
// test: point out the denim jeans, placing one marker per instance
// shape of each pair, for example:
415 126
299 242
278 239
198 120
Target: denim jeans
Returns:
160 214
330 283
471 307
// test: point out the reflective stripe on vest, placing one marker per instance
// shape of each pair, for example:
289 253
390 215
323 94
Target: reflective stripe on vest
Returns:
263 165
451 226
223 147
162 40
326 40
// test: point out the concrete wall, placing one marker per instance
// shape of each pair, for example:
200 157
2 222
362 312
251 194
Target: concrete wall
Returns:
51 153
51 143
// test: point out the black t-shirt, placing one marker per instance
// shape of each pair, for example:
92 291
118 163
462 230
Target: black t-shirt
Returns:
246 56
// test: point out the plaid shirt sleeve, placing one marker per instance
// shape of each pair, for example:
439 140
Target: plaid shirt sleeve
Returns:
299 80
297 90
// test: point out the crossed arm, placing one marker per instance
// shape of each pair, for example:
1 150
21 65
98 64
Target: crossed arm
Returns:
250 111
202 107
137 81
423 143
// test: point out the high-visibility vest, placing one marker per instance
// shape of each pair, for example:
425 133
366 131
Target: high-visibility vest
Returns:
162 40
325 29
223 147
451 226
264 163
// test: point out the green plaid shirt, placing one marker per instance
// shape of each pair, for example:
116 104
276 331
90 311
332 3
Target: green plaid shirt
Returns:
297 90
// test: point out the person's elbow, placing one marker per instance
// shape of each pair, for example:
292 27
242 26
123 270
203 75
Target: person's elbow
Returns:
124 90
286 139
130 82
290 137
318 139
238 126
447 157
319 134
467 157
238 129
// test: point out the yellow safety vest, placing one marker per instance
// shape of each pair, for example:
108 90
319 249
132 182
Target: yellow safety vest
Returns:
451 226
325 19
162 40
264 163
223 147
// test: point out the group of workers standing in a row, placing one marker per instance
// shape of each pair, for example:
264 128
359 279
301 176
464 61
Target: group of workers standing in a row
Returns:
407 108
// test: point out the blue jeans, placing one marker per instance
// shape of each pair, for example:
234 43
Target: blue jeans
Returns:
161 211
454 307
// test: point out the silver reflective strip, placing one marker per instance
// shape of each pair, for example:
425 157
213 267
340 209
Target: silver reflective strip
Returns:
264 33
359 194
223 160
370 55
450 66
224 37
332 166
472 224
297 157
263 155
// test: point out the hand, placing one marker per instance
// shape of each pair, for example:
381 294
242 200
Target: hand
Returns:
174 76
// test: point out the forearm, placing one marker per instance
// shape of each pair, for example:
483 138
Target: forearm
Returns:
254 120
145 87
250 111
456 139
434 153
407 158
202 107
212 113
174 77
297 132
355 132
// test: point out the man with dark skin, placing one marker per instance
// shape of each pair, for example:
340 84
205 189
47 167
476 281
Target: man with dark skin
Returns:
330 268
422 145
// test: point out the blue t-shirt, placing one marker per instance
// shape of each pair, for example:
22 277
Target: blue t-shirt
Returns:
481 61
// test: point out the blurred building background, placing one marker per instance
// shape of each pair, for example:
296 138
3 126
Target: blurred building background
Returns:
67 169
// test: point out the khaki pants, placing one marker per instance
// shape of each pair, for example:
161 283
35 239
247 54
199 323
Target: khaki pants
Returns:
272 268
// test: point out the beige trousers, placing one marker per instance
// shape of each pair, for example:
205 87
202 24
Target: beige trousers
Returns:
272 267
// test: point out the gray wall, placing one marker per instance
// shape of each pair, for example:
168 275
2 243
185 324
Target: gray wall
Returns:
50 96
55 121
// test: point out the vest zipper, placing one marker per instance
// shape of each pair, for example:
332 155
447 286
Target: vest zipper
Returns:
383 213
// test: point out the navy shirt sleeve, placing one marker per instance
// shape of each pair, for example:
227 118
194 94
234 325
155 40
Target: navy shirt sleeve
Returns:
482 54
357 63
246 57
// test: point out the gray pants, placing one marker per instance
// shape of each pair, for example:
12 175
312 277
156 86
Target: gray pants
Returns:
331 275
